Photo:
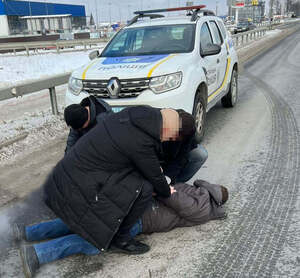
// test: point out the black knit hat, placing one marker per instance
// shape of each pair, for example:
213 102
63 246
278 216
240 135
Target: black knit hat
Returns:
76 115
187 127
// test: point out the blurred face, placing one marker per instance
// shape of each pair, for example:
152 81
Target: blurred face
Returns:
171 125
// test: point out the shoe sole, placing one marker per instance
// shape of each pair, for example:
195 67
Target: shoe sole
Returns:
17 238
26 269
224 190
118 250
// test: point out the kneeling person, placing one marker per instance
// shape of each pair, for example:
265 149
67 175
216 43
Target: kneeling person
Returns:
187 206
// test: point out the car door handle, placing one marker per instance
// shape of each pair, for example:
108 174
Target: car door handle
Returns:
218 61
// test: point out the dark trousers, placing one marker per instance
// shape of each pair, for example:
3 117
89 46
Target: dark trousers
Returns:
195 159
140 205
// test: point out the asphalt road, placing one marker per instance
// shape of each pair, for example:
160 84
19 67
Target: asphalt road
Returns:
254 150
264 239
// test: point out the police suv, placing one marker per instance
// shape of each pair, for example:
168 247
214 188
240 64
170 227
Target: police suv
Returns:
186 62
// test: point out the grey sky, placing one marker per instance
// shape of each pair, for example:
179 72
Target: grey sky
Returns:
118 9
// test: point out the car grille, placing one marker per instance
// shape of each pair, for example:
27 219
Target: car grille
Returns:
129 87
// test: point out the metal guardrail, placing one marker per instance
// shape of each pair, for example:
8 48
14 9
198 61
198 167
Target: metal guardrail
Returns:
49 45
29 87
245 37
51 82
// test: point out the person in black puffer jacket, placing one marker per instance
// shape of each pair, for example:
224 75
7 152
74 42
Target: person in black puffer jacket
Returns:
180 160
105 182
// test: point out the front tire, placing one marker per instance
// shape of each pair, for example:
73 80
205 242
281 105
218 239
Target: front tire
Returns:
230 99
199 113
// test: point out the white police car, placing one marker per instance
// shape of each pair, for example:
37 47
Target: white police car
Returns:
186 62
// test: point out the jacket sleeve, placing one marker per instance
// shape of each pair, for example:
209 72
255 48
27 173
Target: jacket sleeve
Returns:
72 139
148 164
191 208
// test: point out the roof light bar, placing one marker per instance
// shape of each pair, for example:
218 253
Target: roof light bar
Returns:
171 10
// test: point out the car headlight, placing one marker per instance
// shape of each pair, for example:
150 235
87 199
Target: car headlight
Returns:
164 83
75 86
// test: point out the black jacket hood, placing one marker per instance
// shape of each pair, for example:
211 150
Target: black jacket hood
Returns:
148 119
93 113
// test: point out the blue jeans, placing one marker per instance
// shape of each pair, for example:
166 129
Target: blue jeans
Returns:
64 243
196 159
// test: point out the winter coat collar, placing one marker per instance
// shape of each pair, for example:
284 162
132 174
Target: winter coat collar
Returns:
148 119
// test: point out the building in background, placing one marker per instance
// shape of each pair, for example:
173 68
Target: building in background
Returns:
292 8
27 17
253 10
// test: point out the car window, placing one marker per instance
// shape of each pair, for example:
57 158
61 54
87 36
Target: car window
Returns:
216 32
151 40
205 37
121 43
222 29
139 36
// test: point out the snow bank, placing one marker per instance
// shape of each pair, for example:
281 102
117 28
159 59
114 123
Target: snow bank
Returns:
21 68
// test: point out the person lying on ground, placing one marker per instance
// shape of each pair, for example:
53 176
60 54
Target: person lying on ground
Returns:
189 205
103 185
180 160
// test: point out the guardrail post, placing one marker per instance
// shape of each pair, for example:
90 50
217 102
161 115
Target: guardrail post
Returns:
27 50
53 101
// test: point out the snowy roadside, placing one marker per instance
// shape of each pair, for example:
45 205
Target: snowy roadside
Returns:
34 124
21 68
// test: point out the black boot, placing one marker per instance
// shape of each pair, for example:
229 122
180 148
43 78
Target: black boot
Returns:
30 260
130 247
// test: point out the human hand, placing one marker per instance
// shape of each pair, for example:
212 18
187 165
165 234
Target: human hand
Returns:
172 189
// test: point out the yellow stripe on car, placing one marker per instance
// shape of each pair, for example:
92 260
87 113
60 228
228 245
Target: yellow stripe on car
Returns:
211 97
87 68
158 64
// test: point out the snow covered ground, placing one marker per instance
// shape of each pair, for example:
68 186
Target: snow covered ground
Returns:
20 68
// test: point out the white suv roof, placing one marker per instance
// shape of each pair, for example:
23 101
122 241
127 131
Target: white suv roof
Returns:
154 17
162 21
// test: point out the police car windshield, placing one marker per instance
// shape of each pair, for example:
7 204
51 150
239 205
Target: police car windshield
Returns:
152 40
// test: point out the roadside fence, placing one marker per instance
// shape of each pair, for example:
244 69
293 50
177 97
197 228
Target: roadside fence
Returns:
244 38
58 46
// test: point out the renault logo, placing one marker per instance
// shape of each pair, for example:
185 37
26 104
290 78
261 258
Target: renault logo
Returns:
114 87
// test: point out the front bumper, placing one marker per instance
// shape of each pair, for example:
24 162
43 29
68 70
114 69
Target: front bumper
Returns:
179 98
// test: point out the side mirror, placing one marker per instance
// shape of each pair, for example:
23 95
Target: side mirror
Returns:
94 54
210 49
